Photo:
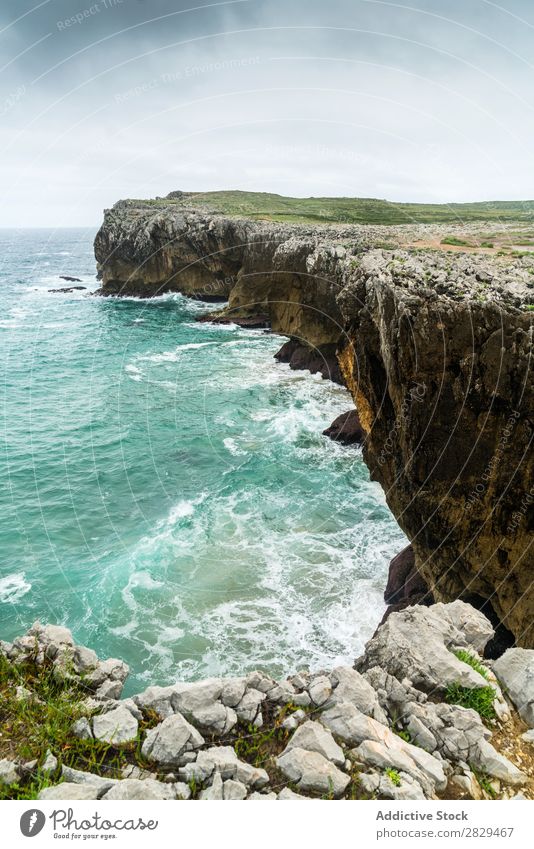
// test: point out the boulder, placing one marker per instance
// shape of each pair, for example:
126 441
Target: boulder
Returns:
116 727
515 671
170 741
312 771
349 686
223 759
313 737
148 788
69 792
346 429
8 772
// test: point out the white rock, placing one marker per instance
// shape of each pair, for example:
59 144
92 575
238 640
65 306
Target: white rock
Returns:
77 776
116 727
312 771
167 743
528 736
351 725
49 764
224 760
262 797
287 795
515 671
351 687
69 792
249 708
320 690
215 791
488 760
8 772
81 729
157 699
234 790
315 738
183 791
132 788
233 691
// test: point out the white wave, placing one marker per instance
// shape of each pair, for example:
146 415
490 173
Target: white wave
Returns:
13 587
133 372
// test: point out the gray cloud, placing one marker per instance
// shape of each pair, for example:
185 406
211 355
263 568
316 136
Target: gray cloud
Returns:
351 97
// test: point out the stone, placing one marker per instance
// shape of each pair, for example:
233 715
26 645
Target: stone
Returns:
69 792
215 791
199 703
262 797
313 737
77 776
346 429
167 743
312 771
84 659
350 686
234 790
148 788
8 772
320 690
233 691
351 725
116 727
488 760
249 708
224 760
183 791
287 795
515 670
416 643
528 736
82 729
49 765
130 705
157 699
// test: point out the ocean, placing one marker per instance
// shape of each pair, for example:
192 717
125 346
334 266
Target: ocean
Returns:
166 490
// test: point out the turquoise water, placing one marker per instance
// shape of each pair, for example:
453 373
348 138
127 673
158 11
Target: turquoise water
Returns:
167 493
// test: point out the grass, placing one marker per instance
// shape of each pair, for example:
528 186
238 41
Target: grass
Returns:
453 240
317 210
484 781
393 776
477 698
487 244
472 661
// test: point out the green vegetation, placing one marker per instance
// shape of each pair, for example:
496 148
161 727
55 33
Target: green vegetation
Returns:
478 698
484 781
472 661
453 240
394 776
487 244
314 210
404 735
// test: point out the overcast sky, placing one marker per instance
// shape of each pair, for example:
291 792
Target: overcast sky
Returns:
431 100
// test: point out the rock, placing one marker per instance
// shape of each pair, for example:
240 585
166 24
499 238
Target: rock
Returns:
183 791
157 699
215 791
416 643
199 703
467 785
287 795
405 586
351 725
130 705
381 786
313 737
168 742
350 686
346 429
319 359
81 729
233 691
294 719
224 760
528 736
312 771
131 788
49 765
515 671
427 771
77 776
69 279
69 792
488 760
8 772
320 690
249 708
117 727
234 790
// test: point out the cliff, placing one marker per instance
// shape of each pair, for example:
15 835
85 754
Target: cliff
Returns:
434 344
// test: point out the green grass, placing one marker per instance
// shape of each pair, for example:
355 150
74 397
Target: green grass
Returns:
324 210
394 776
453 240
484 781
472 661
487 244
478 698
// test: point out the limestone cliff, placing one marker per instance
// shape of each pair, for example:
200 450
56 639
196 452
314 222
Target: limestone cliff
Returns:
435 348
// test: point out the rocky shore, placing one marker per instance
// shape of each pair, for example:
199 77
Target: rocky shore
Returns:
431 331
420 716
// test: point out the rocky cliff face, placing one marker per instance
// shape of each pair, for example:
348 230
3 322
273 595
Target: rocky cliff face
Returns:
435 348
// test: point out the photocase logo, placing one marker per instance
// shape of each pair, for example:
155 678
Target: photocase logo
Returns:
32 822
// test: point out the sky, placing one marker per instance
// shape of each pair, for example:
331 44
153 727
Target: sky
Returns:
417 101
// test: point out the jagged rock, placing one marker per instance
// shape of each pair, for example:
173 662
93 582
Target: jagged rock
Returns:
215 791
116 727
157 699
294 719
82 729
515 671
262 797
382 786
320 690
224 760
287 795
234 790
233 691
168 742
416 643
528 736
249 708
199 702
346 429
77 776
8 772
49 765
69 792
131 788
312 771
351 725
467 785
491 762
427 771
133 771
130 705
350 686
312 737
